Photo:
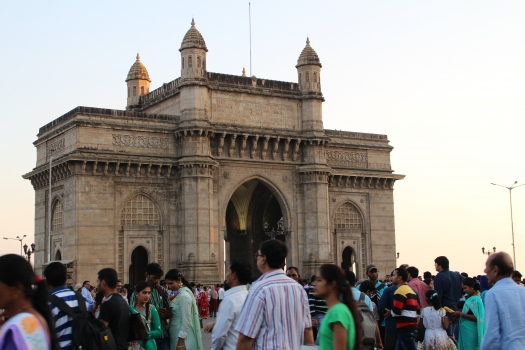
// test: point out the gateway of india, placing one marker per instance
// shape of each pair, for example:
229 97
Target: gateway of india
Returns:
203 169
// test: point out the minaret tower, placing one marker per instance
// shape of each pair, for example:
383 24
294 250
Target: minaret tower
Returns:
309 76
138 83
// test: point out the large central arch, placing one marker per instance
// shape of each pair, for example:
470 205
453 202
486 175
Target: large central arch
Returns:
252 203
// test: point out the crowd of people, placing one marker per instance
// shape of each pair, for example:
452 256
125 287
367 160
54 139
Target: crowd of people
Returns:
280 310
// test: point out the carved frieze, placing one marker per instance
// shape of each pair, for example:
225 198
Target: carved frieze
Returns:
140 141
349 159
56 147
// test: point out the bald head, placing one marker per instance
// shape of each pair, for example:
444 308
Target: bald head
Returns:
498 266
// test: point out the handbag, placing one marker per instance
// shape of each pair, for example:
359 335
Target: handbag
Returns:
137 329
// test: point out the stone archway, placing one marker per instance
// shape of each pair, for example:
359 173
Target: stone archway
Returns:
139 261
251 205
58 255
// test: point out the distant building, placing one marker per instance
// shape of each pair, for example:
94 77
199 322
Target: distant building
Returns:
189 173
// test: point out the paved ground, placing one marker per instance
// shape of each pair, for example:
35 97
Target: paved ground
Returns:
206 337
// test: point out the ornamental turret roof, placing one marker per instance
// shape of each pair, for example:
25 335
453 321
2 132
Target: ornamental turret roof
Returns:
308 56
138 71
193 39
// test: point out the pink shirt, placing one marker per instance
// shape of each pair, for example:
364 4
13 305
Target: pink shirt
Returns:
421 289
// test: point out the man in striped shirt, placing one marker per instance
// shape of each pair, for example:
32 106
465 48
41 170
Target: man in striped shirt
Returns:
275 314
405 310
56 276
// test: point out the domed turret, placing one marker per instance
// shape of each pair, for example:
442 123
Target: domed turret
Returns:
193 54
138 82
309 69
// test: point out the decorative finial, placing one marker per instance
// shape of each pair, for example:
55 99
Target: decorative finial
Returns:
307 41
243 71
192 23
138 57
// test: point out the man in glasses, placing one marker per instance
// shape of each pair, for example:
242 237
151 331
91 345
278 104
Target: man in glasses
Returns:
276 313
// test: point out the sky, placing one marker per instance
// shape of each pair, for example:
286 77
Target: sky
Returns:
445 80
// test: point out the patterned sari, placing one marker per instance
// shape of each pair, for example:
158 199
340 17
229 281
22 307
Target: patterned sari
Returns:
204 305
24 332
471 333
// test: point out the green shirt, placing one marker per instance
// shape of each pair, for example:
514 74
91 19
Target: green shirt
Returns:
337 314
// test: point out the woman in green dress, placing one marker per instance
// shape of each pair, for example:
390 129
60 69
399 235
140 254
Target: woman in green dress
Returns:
341 326
150 317
471 318
185 330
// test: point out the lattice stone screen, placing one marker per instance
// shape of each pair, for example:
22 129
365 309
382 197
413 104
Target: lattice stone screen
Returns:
140 210
348 217
57 218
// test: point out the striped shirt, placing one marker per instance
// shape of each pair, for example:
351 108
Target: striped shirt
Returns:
317 305
63 322
405 309
275 313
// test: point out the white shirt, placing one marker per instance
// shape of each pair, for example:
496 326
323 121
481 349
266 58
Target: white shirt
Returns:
224 335
221 293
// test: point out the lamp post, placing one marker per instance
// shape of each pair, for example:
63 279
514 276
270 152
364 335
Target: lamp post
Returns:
397 255
29 251
17 239
510 188
279 232
488 252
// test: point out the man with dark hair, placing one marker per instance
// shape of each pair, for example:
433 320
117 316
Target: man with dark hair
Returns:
56 276
293 273
427 275
86 293
448 286
417 286
160 298
504 305
114 312
224 334
275 313
386 303
405 310
516 277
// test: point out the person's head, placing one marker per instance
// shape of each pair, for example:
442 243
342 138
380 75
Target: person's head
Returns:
470 287
498 266
516 276
107 281
388 278
427 274
331 283
441 263
413 272
400 276
20 290
86 285
429 282
433 299
350 277
162 283
175 280
371 272
153 273
367 287
119 286
239 273
293 273
271 255
55 274
464 274
193 286
143 292
77 287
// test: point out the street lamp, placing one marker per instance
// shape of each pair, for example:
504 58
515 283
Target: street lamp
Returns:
511 220
488 252
17 239
28 251
397 255
279 232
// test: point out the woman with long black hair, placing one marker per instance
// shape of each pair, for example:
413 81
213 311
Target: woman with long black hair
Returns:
24 299
341 327
150 317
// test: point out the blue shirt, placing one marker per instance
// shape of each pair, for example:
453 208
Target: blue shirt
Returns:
504 316
448 286
63 322
387 302
89 299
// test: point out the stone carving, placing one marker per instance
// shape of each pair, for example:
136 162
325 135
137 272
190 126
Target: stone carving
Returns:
56 147
226 174
140 141
352 159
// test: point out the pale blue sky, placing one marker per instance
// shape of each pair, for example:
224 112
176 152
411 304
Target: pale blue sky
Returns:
445 80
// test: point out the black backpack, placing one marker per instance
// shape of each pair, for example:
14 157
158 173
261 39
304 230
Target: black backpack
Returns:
368 323
88 332
376 296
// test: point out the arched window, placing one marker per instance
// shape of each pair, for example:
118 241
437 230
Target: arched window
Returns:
56 216
190 61
198 61
182 63
129 92
348 217
134 91
140 210
307 77
142 90
315 77
204 63
58 255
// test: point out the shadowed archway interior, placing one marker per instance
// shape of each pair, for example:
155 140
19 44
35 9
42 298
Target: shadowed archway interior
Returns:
251 205
139 261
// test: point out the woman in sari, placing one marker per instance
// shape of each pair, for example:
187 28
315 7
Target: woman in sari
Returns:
150 317
185 331
471 318
204 304
23 296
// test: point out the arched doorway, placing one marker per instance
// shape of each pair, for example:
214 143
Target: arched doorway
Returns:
139 261
58 255
349 260
251 205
